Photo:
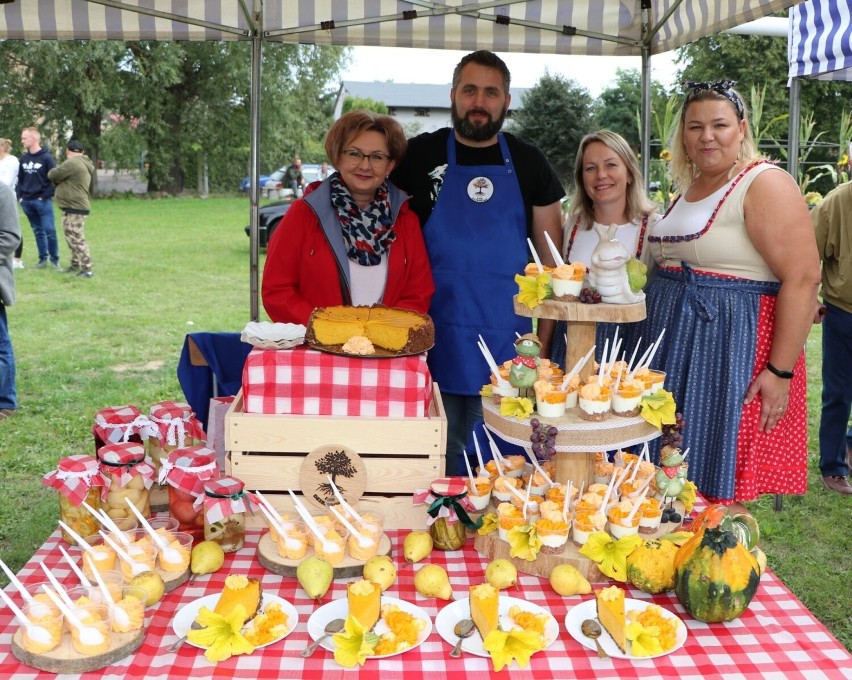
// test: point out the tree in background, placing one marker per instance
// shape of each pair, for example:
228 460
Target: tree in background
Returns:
619 104
355 103
557 112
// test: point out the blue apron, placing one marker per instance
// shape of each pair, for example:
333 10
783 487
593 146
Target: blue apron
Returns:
477 241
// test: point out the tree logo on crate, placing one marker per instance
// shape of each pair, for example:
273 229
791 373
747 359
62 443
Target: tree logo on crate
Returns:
337 464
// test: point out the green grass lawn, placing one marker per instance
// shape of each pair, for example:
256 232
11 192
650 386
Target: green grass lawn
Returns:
167 267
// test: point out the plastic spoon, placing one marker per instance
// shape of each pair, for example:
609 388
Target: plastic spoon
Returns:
135 567
535 255
566 500
106 520
362 540
633 356
169 554
59 589
290 543
577 367
85 546
342 500
80 575
89 635
121 617
20 586
495 452
469 471
482 471
538 468
636 505
554 251
327 546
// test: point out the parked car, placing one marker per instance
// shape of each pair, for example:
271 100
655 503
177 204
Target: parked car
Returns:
268 218
246 183
274 186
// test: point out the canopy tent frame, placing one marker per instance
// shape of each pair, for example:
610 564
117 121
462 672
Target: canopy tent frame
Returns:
626 30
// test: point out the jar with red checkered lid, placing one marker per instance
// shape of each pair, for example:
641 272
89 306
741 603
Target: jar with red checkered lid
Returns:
78 480
174 427
225 506
184 472
119 424
129 475
448 517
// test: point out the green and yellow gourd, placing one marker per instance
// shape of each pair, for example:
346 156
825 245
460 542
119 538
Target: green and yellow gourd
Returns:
716 576
650 567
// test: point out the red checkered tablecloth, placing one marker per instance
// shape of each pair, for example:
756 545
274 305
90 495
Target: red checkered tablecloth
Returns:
777 637
303 381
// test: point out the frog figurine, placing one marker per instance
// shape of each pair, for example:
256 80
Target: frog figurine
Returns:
524 369
670 480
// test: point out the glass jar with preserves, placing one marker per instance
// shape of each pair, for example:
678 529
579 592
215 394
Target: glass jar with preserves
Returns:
173 426
119 424
184 473
129 476
448 513
225 505
78 480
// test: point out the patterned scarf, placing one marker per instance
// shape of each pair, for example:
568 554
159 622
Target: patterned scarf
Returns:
368 233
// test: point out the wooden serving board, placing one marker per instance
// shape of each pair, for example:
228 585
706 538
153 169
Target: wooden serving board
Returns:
579 311
173 579
64 659
493 548
271 559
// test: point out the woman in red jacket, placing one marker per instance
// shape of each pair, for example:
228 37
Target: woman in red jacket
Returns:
352 239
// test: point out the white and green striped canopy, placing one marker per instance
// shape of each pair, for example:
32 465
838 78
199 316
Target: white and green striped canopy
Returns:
593 27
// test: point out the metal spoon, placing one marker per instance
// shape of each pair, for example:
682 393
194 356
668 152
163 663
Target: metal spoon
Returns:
176 645
591 629
332 627
463 629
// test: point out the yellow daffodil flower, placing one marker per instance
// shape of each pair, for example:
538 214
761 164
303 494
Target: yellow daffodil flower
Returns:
516 407
518 644
354 644
533 289
665 155
687 496
659 409
221 635
524 542
610 555
643 641
489 524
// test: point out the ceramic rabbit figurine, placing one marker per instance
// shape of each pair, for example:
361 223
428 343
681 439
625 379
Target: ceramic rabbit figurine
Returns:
608 273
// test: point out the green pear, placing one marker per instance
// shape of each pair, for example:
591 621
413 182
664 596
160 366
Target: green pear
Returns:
315 576
501 574
380 570
416 546
432 581
206 558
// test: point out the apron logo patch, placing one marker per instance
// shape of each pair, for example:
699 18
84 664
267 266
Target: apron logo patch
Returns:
480 189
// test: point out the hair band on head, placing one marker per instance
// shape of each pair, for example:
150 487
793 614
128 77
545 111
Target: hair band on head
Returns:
722 87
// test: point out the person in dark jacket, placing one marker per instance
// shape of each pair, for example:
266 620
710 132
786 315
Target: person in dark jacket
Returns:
10 237
35 192
73 180
352 239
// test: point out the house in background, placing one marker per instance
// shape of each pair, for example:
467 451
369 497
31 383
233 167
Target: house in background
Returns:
418 108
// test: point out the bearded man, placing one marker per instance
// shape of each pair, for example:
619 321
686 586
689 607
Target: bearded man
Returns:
479 194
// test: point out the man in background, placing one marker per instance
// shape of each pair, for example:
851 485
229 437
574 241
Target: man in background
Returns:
293 177
10 237
35 192
479 194
833 222
73 180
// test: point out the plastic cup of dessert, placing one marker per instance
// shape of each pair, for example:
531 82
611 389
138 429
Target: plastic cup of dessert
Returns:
595 409
501 488
566 288
619 530
553 537
48 627
94 636
571 398
103 559
539 484
293 543
552 405
333 548
650 516
144 556
479 492
490 470
603 472
654 381
625 403
506 390
114 581
533 509
367 546
164 522
506 523
581 530
183 547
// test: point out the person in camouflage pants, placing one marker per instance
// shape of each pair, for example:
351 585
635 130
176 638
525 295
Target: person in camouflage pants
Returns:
73 180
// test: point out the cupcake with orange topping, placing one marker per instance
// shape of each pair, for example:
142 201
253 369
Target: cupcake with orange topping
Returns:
595 402
627 398
567 281
585 524
618 524
553 532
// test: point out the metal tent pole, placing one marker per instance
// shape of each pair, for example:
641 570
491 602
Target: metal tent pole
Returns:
254 166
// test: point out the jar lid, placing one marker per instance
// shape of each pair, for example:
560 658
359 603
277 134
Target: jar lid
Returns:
448 486
80 463
168 410
223 486
123 453
74 476
117 415
191 457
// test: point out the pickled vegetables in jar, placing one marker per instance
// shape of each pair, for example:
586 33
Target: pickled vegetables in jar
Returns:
177 428
184 472
129 476
78 480
225 505
119 424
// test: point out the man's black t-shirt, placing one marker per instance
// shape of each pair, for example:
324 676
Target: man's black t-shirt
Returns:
421 171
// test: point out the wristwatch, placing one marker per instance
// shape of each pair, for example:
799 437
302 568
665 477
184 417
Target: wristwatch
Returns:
787 375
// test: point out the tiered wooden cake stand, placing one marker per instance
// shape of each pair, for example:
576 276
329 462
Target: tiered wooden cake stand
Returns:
577 440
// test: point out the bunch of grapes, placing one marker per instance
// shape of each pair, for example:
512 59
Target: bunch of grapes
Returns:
590 296
673 434
543 438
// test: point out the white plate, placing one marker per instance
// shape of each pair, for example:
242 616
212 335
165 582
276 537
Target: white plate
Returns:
454 612
268 335
182 621
589 610
340 608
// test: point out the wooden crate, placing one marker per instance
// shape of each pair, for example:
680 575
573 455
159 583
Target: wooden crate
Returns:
401 455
